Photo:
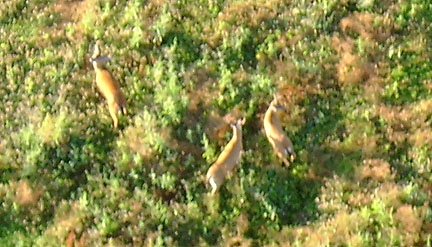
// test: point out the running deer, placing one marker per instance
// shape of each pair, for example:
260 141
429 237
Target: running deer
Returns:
282 145
229 157
108 85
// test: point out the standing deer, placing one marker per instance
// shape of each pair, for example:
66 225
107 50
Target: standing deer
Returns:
229 157
282 145
108 85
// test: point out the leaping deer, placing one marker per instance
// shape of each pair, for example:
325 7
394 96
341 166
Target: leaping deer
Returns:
282 145
108 85
229 157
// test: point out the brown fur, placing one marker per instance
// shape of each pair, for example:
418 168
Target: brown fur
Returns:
108 86
229 157
281 144
71 240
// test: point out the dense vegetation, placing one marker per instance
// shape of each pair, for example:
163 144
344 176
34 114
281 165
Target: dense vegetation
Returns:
354 75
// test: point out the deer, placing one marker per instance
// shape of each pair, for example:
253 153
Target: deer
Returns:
229 157
281 144
108 85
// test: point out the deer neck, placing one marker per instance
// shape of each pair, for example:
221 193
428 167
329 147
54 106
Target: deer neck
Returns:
272 119
237 136
99 67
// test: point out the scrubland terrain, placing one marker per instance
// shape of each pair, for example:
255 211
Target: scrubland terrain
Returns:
354 75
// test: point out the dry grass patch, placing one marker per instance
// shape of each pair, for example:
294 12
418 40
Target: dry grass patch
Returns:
368 25
359 199
375 169
27 194
408 218
356 64
216 127
236 236
341 230
200 93
292 93
409 223
372 89
69 218
71 11
145 137
411 123
360 137
284 72
352 68
390 193
253 14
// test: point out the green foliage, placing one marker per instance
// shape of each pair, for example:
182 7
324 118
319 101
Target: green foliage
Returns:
354 77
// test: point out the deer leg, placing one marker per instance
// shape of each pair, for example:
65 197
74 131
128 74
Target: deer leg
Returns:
214 185
280 152
113 108
284 159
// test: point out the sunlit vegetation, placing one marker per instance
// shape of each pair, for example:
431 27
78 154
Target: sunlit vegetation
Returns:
354 75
